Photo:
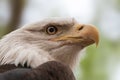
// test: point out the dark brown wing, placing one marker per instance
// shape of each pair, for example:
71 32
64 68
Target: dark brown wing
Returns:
7 67
51 70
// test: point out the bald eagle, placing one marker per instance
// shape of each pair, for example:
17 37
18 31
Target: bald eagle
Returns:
52 39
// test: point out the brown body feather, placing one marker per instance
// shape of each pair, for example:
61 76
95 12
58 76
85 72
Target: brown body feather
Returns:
51 70
7 67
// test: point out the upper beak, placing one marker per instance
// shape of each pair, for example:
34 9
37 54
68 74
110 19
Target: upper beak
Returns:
87 34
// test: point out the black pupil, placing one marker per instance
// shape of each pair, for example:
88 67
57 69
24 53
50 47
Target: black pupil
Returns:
52 29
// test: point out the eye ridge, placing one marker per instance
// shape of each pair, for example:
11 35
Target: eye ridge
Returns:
51 30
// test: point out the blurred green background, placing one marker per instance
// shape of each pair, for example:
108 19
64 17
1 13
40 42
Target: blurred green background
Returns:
101 63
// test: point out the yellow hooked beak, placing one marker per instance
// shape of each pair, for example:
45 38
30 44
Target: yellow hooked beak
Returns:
79 33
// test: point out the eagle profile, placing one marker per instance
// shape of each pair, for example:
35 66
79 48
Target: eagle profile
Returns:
52 39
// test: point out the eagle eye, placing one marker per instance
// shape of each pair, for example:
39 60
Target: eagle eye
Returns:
51 30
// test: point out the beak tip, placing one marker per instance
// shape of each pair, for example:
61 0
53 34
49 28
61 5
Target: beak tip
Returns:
96 45
95 34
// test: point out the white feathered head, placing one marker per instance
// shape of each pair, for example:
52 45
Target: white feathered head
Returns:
58 39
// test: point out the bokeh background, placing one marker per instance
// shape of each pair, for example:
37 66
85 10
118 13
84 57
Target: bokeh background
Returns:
101 63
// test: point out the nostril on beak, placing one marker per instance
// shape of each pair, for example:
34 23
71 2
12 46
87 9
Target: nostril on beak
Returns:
81 27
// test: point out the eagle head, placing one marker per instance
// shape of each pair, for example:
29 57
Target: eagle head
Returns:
59 39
